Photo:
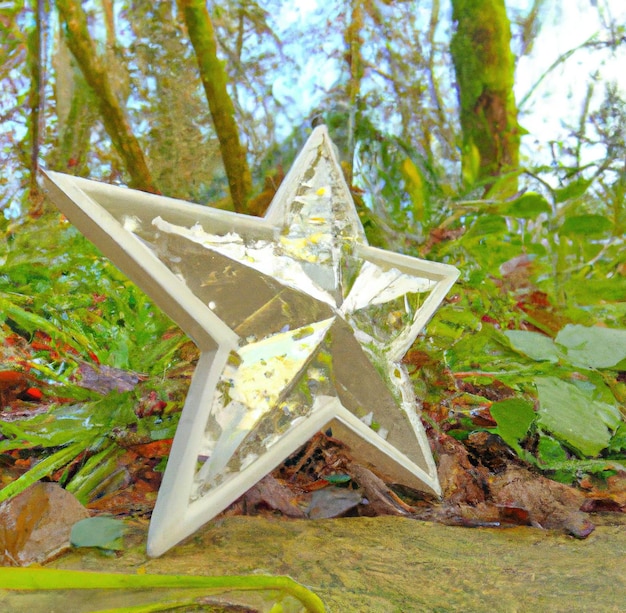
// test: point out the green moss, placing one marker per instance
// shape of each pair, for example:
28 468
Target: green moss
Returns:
485 68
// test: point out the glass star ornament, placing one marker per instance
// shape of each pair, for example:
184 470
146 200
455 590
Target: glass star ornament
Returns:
301 327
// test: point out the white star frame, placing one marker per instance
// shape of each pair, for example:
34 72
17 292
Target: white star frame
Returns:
300 323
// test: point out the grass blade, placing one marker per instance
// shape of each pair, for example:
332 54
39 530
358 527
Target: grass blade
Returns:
53 579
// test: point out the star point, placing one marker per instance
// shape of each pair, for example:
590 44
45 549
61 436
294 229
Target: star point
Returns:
300 323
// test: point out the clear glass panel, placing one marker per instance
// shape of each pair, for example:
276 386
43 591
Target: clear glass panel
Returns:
384 303
315 320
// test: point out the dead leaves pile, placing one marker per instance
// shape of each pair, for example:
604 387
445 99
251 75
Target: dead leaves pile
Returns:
483 484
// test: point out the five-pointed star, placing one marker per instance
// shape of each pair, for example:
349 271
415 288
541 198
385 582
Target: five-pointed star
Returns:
300 323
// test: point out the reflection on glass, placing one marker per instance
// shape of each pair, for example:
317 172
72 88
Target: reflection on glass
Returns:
301 327
315 320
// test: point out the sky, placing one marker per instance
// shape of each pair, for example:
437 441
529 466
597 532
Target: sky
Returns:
559 99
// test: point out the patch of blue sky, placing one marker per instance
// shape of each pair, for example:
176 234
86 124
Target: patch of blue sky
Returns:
553 109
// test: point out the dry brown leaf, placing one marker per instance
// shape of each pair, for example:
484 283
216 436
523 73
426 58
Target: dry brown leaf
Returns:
36 524
271 493
549 504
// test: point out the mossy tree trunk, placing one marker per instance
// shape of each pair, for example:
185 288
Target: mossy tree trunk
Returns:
115 122
485 67
215 79
34 59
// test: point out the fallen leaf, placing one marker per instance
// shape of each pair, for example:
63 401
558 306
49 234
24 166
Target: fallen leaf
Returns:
136 499
101 532
461 481
605 496
332 502
154 449
104 379
491 450
381 500
272 494
35 525
550 505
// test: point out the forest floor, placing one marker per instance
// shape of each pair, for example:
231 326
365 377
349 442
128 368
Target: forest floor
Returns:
504 536
377 565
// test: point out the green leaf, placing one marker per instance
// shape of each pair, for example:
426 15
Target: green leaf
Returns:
618 442
528 206
19 434
550 451
486 350
452 322
70 423
514 417
593 347
595 226
574 190
554 458
94 472
414 184
32 321
102 532
43 469
596 291
537 346
574 416
486 225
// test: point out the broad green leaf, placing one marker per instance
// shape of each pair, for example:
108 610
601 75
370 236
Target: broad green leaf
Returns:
553 457
102 532
595 383
487 225
528 206
574 416
618 442
550 450
595 226
574 190
593 347
487 350
537 346
514 417
451 322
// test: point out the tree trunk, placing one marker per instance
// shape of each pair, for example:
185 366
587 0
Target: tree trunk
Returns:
485 69
113 116
354 42
35 101
214 79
